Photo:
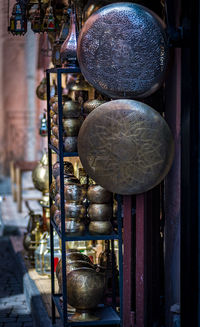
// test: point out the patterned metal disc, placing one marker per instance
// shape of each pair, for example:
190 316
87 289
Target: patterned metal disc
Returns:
122 51
126 146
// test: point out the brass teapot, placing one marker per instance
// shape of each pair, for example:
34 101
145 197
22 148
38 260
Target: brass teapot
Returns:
40 175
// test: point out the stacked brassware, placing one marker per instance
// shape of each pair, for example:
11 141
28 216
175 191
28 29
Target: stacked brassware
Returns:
71 123
100 210
74 195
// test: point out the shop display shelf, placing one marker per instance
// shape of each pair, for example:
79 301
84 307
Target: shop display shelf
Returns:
65 154
86 236
107 315
68 70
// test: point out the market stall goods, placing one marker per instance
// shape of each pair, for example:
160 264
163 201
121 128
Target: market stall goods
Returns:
122 51
126 146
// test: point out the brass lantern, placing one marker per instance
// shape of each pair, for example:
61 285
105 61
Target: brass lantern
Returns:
18 21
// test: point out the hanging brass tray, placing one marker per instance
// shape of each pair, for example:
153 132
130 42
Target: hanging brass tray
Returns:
122 51
126 146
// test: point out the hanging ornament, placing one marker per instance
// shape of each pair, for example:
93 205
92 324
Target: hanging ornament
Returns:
65 24
49 21
56 55
18 21
69 47
36 21
43 126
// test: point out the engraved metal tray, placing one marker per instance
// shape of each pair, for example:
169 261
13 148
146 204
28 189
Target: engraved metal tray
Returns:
122 51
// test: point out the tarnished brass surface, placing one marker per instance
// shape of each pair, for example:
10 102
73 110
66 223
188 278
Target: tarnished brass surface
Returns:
100 212
85 290
68 179
90 105
126 146
71 126
70 144
70 267
74 210
73 227
74 192
68 168
122 50
54 141
52 190
100 228
71 109
55 131
55 119
98 194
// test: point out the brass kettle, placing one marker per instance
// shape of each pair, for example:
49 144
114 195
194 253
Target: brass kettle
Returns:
40 175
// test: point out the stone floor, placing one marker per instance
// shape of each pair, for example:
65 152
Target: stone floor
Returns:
13 308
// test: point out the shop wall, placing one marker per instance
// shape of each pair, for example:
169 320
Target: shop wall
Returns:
18 121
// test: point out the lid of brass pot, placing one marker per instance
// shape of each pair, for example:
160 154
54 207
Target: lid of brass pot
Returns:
126 146
40 175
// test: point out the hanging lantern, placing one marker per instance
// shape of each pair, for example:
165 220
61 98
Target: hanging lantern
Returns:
18 21
36 21
49 21
43 126
56 56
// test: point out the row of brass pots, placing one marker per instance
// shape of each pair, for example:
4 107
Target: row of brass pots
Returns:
85 285
71 126
69 143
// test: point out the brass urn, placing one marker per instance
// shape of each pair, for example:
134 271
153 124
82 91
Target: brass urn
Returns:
40 175
85 290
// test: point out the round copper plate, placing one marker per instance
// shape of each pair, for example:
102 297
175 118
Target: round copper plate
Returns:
122 51
126 146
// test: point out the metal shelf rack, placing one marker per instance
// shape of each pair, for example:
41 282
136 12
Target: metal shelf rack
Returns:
107 314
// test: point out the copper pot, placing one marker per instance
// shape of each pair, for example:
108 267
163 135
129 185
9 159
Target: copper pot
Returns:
70 144
52 190
68 168
85 290
100 228
53 210
54 141
98 194
74 192
71 109
74 210
73 227
68 179
55 119
100 212
55 131
71 126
